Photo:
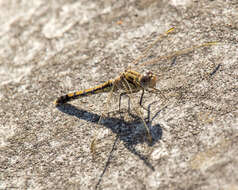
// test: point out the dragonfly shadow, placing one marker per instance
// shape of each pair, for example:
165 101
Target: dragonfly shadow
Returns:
131 133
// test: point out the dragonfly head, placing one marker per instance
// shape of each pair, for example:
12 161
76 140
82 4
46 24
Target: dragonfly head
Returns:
148 80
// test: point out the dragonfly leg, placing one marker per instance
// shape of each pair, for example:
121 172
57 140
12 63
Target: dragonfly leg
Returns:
141 97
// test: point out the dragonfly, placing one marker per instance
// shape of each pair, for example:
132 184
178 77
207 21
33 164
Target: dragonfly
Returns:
130 81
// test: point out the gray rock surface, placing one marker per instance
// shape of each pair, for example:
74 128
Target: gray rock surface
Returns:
49 48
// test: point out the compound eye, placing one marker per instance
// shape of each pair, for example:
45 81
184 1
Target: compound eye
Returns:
150 74
144 79
152 79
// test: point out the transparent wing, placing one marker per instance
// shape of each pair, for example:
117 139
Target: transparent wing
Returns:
145 53
169 55
178 53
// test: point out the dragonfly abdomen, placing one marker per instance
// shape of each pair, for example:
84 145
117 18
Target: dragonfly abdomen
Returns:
105 87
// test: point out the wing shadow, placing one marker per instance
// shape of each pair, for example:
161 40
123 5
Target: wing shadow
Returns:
131 133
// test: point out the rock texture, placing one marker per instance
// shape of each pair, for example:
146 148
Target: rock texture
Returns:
49 48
